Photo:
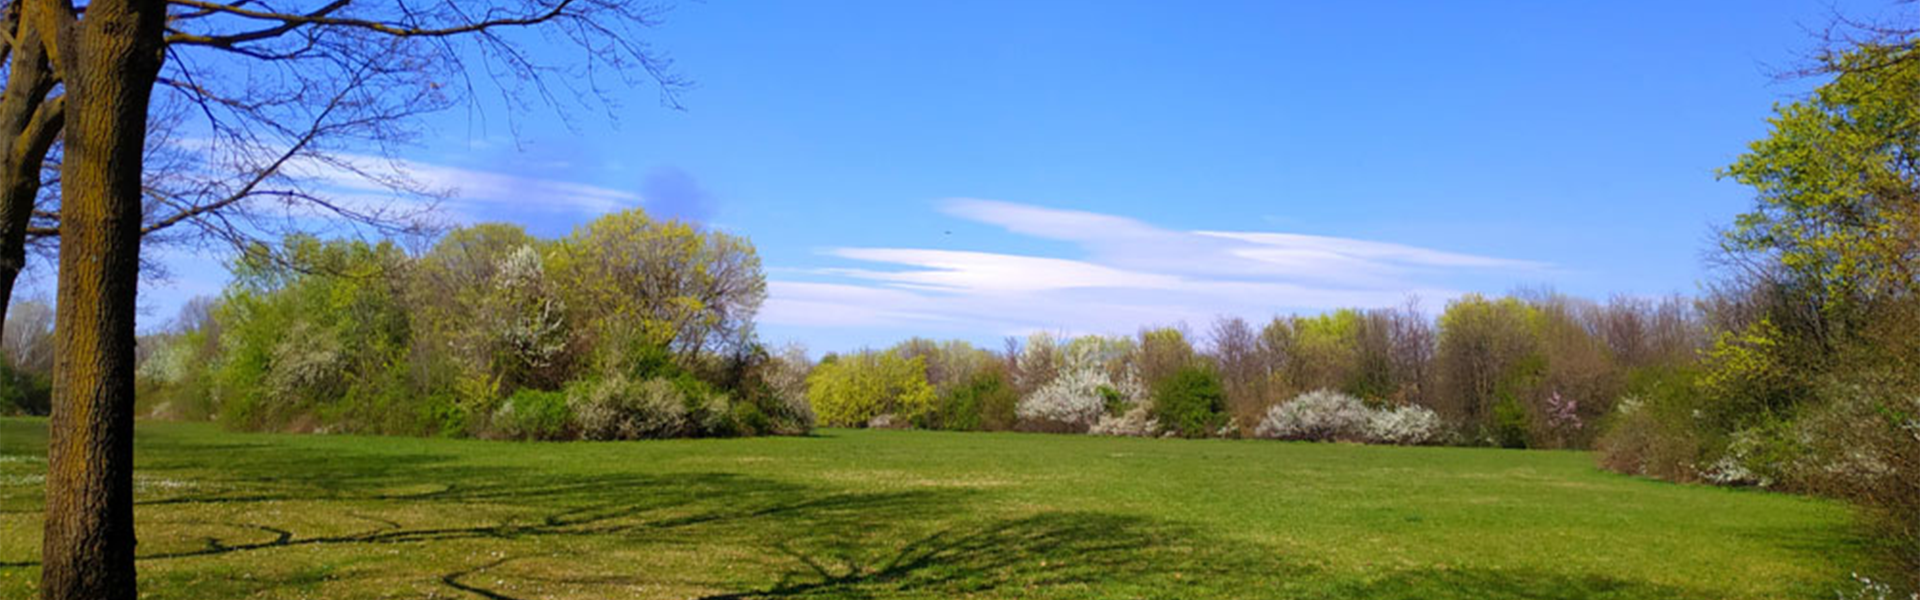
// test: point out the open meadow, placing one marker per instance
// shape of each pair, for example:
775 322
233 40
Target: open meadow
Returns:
921 514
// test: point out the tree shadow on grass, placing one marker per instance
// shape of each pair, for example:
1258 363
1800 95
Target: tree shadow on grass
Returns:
1485 584
787 540
1083 553
1094 554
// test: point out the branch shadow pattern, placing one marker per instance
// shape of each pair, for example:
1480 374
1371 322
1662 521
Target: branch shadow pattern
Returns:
1075 550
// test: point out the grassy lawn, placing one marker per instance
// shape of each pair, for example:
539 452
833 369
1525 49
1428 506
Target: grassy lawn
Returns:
899 514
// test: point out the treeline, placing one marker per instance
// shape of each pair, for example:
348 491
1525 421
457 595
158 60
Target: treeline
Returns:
627 328
1532 370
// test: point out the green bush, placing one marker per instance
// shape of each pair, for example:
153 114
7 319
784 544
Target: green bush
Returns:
443 415
1191 402
712 415
23 393
954 410
535 415
982 402
997 400
1640 439
750 419
1509 423
1654 431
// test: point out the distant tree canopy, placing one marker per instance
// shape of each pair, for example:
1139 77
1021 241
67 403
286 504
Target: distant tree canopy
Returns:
357 336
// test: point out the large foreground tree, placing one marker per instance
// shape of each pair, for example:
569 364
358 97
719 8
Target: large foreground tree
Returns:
280 98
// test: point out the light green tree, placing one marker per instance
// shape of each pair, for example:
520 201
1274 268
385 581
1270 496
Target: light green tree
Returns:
638 282
853 389
1837 183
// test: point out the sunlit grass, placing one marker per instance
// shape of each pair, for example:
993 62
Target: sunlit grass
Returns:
900 514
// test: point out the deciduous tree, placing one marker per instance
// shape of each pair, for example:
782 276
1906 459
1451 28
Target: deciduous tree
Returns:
382 61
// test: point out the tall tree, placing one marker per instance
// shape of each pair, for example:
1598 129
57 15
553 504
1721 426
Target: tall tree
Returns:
107 63
322 79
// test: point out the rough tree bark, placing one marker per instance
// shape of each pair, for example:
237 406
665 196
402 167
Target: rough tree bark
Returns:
109 61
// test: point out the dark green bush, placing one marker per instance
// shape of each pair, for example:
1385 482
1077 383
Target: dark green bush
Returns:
1191 402
535 415
1509 423
23 393
982 403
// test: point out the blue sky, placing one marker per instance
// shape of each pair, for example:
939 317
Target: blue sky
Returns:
980 169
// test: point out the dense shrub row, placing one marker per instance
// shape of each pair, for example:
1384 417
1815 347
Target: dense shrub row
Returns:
629 328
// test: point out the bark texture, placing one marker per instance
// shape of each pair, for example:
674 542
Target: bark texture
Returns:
109 61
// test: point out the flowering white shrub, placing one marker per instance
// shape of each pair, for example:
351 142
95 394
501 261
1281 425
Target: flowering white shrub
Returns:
1072 399
617 408
1404 425
1872 590
1321 415
1735 467
531 324
1136 422
1076 397
1326 415
169 362
307 363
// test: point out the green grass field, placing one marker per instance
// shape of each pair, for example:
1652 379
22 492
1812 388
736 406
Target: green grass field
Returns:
898 514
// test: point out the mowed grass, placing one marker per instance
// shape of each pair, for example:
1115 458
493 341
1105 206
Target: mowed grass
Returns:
905 514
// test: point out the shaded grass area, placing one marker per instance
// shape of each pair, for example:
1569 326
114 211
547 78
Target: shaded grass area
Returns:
900 514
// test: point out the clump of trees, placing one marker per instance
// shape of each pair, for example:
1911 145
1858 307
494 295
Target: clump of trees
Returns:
629 328
1810 381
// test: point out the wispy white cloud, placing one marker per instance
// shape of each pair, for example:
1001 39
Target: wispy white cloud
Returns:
1052 223
467 190
987 272
1287 248
1128 273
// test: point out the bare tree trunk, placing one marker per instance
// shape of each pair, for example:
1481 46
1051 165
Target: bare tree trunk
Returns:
109 60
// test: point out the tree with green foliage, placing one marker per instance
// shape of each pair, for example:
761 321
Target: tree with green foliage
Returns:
852 390
636 282
319 339
1811 378
1191 403
1837 190
485 305
1486 358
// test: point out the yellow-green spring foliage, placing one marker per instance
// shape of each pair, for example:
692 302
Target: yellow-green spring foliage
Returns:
855 389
